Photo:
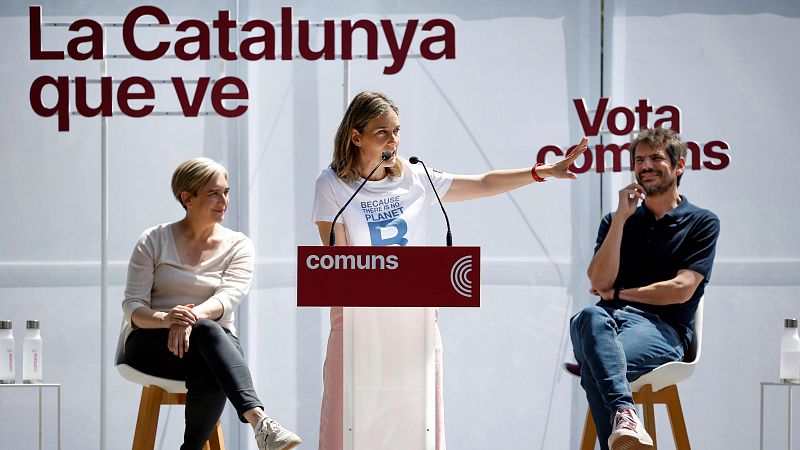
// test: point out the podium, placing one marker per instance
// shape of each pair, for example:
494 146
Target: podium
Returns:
389 295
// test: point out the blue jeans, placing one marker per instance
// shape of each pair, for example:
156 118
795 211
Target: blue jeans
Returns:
613 348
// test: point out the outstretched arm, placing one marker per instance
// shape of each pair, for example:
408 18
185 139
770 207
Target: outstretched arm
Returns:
468 187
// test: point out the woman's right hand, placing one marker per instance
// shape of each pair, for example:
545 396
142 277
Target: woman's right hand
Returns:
560 169
181 315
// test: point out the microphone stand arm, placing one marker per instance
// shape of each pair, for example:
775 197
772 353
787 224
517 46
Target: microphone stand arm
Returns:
449 237
332 237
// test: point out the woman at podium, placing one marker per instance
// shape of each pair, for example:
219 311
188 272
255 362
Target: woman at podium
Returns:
391 209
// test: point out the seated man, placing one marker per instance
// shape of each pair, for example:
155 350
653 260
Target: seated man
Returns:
650 268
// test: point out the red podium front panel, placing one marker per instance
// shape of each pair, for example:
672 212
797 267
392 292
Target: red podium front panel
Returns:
388 276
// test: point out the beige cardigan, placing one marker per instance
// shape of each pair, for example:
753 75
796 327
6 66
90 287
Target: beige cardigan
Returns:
157 279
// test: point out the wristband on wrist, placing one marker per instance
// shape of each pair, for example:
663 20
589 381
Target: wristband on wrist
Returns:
536 177
616 293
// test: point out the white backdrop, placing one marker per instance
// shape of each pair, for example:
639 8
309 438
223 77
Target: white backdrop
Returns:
730 66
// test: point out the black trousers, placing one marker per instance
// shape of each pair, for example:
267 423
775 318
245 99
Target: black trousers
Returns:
214 369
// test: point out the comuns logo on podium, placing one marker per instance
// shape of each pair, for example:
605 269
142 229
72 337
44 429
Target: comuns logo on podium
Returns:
459 276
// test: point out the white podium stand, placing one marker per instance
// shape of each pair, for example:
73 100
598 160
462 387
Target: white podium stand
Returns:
389 360
389 379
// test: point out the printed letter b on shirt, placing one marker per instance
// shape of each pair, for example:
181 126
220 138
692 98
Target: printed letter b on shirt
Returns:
388 232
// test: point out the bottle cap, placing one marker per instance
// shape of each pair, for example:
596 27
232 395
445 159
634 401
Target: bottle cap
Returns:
790 323
5 324
34 324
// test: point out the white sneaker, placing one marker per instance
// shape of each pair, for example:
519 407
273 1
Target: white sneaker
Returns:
628 432
270 435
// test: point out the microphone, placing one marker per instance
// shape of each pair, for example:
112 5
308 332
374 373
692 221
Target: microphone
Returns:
332 239
449 238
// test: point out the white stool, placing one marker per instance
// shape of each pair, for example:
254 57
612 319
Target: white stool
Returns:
660 387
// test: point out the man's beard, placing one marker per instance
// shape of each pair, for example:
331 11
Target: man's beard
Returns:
660 187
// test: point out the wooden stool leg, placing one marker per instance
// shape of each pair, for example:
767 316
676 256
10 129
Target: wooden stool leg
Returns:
645 398
589 432
673 402
215 441
144 438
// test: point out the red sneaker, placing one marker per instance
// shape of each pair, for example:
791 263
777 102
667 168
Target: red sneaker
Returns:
628 432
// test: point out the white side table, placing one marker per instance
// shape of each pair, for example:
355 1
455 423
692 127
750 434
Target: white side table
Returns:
40 388
789 387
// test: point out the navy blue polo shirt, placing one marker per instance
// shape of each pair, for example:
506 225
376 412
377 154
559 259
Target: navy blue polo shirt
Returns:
655 250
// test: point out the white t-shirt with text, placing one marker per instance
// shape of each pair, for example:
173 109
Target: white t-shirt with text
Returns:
391 211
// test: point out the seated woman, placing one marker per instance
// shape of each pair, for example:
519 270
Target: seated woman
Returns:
185 280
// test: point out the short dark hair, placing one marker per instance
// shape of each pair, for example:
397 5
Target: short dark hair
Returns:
657 138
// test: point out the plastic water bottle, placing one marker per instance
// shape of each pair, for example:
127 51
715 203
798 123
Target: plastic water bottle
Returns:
32 354
7 374
790 352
